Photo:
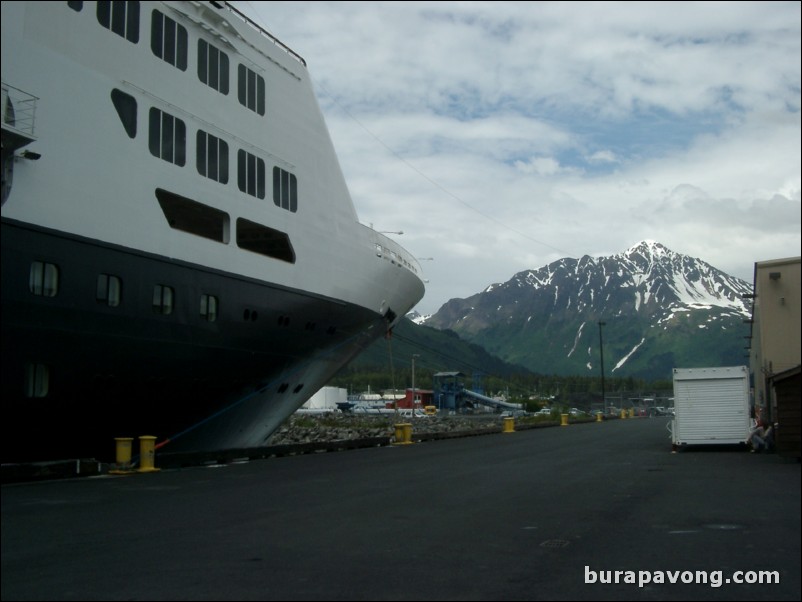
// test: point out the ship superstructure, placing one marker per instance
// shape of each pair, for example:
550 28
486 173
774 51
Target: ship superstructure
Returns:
180 253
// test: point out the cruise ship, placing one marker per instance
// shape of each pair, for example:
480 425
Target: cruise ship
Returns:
181 257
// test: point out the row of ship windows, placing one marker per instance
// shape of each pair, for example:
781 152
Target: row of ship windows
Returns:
169 41
196 218
44 282
167 140
37 382
394 258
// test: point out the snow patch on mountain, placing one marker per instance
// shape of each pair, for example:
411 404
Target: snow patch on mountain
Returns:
629 355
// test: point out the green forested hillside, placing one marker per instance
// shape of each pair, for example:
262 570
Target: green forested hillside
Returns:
387 364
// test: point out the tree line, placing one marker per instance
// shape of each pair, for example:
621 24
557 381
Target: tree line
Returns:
520 385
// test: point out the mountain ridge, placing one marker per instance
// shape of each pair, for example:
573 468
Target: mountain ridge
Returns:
660 310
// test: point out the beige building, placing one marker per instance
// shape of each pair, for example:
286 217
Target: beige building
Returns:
775 335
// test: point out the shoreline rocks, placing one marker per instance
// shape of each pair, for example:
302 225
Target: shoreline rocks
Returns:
341 426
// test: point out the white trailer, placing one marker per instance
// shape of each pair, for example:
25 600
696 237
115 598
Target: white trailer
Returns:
711 406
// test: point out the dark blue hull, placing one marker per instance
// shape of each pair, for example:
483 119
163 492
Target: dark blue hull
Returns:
79 370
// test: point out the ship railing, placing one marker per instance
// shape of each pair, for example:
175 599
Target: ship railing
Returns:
19 110
266 34
392 251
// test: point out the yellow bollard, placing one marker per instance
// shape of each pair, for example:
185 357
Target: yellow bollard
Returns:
623 414
563 419
631 412
598 417
407 433
509 425
147 454
123 455
403 434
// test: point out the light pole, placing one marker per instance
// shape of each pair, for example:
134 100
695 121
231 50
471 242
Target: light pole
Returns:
399 232
601 351
414 355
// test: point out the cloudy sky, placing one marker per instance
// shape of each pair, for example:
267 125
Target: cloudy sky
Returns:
502 136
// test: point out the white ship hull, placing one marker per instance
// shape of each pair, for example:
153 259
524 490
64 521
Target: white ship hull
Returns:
180 257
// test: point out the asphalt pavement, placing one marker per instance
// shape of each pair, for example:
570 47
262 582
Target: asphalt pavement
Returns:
543 514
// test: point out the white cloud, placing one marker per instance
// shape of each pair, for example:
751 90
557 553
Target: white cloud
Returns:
502 136
542 166
603 156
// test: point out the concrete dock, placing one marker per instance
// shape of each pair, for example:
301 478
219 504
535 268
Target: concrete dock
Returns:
544 514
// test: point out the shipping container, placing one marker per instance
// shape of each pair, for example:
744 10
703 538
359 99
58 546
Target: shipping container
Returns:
711 406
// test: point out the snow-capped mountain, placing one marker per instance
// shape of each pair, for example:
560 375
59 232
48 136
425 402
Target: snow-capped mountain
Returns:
416 317
660 310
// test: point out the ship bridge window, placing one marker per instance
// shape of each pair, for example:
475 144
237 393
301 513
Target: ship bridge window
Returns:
251 174
76 6
251 90
212 157
167 137
43 279
120 17
191 216
285 190
168 40
125 105
265 241
109 290
212 66
163 299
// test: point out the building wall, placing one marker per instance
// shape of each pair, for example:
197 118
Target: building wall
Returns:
789 413
326 398
422 398
776 325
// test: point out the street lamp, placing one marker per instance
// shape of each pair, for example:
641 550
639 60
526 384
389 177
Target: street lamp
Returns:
601 351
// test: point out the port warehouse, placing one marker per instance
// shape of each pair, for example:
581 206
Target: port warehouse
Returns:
775 349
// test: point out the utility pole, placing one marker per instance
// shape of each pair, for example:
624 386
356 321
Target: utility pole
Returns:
601 351
414 355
